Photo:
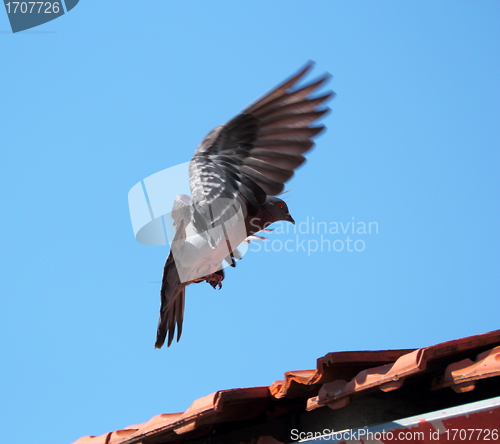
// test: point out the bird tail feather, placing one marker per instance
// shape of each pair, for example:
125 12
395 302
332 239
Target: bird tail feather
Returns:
172 297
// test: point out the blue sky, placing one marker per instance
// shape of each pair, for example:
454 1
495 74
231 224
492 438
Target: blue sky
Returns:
97 100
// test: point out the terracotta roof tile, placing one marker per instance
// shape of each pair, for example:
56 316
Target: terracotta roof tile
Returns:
462 376
336 394
108 438
337 378
339 365
386 377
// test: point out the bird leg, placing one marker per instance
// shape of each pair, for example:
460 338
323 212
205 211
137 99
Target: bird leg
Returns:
230 258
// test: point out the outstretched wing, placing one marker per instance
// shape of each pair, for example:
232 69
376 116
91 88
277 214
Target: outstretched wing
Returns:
254 154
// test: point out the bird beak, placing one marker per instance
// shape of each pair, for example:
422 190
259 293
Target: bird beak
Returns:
290 219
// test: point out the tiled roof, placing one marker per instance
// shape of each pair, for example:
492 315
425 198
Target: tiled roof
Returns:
338 378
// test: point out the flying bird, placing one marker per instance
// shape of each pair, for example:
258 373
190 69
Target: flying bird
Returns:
235 176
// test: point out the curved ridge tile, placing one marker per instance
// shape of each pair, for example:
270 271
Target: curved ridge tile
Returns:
463 375
386 377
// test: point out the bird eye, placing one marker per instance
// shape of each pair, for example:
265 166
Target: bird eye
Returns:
280 205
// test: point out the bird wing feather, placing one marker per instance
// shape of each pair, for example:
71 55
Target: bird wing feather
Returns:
238 164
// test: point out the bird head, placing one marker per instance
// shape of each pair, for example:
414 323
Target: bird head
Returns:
278 209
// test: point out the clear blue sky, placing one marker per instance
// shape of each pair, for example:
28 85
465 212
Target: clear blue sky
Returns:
112 92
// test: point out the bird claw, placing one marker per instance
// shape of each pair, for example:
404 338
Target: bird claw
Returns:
215 283
215 280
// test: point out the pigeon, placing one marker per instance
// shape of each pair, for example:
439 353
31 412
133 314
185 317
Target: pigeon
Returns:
236 175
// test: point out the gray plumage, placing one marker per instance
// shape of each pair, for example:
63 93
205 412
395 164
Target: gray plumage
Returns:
235 174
